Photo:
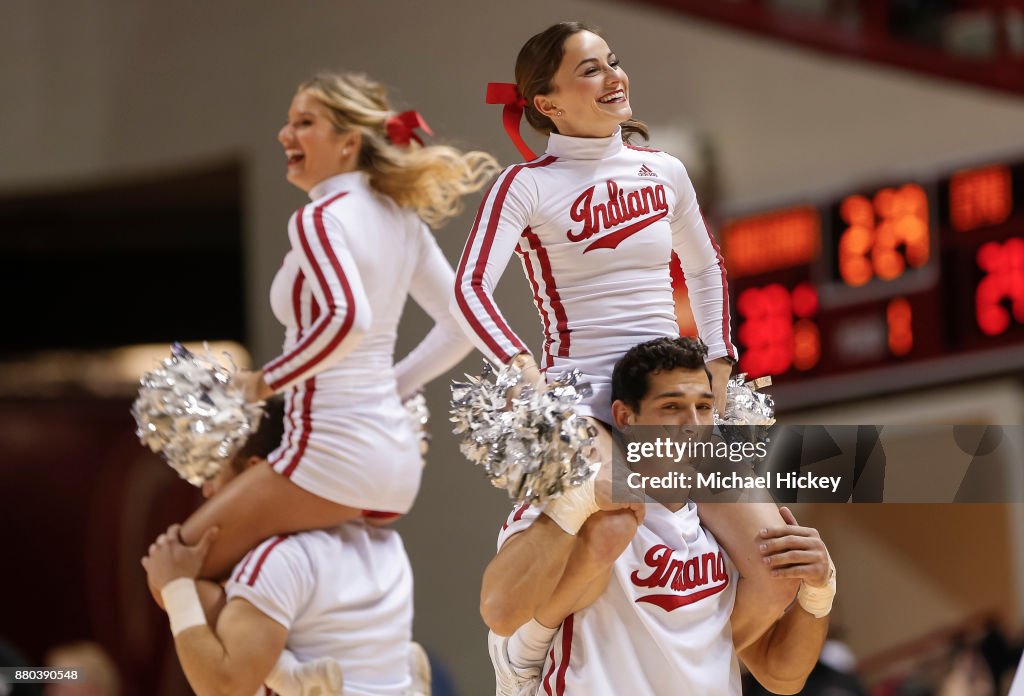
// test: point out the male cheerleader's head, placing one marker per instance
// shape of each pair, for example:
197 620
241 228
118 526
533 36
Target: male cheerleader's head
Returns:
342 122
663 382
573 84
255 450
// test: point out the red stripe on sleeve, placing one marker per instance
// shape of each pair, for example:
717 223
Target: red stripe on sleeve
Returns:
548 360
517 515
481 266
562 322
481 263
321 233
296 305
242 566
726 321
263 558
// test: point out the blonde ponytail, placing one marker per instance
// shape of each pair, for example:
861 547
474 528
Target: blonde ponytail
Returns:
429 179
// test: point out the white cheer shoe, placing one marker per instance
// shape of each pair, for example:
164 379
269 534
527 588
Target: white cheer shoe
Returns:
419 666
510 680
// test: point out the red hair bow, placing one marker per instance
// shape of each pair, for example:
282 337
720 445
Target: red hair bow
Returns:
401 128
508 94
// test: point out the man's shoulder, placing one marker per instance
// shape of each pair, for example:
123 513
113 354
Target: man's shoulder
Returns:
271 555
332 542
518 520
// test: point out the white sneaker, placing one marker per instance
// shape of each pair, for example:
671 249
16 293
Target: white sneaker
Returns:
419 666
510 680
320 677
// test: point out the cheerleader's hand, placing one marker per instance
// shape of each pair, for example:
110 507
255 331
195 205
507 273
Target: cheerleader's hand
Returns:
531 375
252 385
169 559
721 371
792 551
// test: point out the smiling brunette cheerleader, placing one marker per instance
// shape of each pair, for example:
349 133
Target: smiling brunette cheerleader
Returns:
594 220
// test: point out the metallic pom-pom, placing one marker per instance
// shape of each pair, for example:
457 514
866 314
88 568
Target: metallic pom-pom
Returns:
419 414
746 406
190 413
532 445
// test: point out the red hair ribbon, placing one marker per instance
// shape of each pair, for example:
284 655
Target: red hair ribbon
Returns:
401 128
508 94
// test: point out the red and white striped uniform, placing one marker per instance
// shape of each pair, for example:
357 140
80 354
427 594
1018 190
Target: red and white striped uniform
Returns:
355 256
594 222
662 625
344 593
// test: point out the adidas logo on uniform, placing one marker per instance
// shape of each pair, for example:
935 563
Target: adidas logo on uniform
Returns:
646 171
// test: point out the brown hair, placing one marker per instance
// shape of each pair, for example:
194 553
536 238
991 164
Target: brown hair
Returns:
630 374
536 65
267 437
431 180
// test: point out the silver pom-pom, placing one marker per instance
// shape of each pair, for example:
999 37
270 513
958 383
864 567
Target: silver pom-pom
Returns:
189 412
419 415
749 413
532 445
745 405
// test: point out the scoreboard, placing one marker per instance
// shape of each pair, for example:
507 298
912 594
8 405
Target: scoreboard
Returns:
890 286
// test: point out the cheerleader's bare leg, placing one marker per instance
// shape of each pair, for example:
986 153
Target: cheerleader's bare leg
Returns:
606 534
258 504
576 575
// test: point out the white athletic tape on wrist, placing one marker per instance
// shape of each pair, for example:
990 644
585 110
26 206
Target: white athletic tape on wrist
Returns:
181 600
572 508
528 646
817 601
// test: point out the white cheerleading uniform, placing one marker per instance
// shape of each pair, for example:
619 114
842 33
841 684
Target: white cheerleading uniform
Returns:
662 625
344 593
594 222
355 256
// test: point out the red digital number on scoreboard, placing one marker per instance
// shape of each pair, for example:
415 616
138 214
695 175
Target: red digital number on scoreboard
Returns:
999 297
980 198
777 331
899 317
772 241
883 235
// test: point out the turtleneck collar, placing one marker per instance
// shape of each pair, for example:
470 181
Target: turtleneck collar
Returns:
567 147
338 182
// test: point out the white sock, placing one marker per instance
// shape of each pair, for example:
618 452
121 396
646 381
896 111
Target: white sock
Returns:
529 644
419 665
291 677
283 678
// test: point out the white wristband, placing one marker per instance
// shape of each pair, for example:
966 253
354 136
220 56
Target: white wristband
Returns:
817 601
572 508
181 600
